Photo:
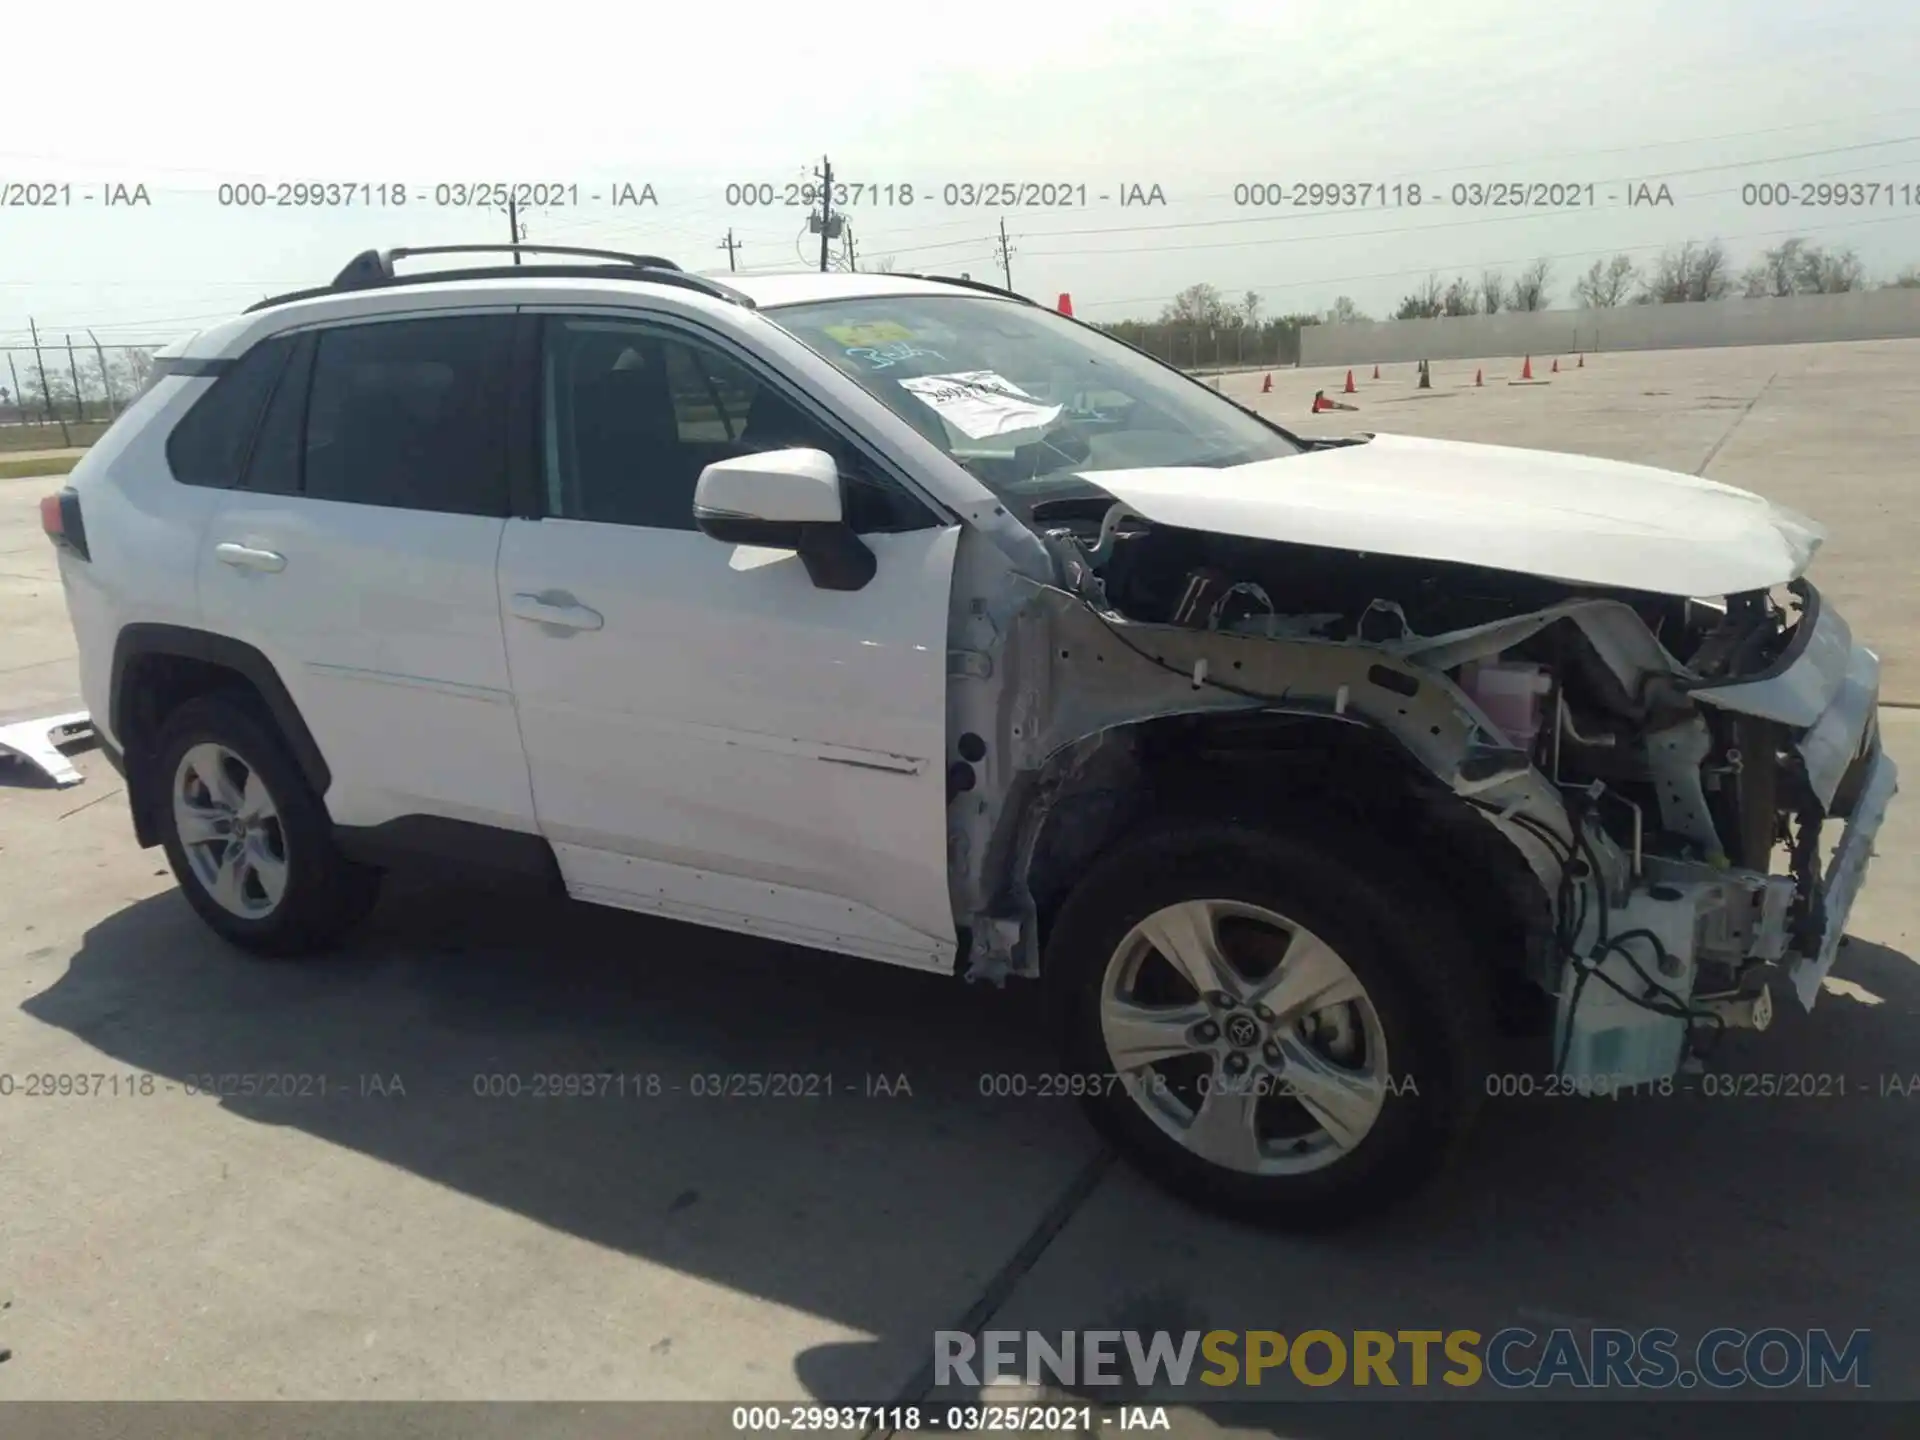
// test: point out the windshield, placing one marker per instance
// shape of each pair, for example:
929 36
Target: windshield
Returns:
1023 397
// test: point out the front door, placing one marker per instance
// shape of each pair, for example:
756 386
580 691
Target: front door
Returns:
709 735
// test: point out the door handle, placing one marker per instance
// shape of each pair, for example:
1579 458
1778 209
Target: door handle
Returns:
567 616
246 557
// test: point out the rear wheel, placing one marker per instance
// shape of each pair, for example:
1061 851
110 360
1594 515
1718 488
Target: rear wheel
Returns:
1286 1027
248 839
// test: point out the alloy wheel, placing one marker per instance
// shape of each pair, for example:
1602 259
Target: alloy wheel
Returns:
230 831
1244 1037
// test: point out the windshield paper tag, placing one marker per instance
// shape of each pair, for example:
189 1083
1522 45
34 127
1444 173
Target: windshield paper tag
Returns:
981 404
872 332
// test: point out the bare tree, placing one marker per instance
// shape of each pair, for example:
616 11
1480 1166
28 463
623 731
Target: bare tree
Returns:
1690 273
1907 279
1345 312
1796 267
53 397
885 265
1425 303
132 368
1711 277
1197 305
1777 271
1606 284
1462 298
1832 272
1493 291
1530 290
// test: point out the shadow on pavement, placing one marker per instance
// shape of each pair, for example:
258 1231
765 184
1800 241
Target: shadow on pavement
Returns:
837 1203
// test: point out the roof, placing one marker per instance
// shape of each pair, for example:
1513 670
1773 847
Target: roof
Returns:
370 277
803 286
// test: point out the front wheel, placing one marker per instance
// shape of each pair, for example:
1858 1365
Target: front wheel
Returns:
1286 1027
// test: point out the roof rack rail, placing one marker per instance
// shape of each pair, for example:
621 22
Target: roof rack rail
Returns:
969 284
373 270
376 266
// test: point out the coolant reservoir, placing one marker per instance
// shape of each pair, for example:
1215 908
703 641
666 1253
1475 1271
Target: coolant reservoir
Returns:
1511 695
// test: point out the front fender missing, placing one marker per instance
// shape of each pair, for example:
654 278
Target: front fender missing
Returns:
1069 678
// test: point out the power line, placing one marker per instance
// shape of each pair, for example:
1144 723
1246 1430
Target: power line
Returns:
1382 209
1502 217
1512 260
976 239
119 163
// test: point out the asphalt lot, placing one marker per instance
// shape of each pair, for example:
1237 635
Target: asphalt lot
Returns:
406 1238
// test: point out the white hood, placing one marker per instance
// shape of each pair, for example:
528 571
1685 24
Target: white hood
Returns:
1533 512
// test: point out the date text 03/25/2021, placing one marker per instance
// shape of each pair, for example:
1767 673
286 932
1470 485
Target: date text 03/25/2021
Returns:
998 1419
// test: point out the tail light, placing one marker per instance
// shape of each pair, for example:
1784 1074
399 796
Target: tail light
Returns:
60 518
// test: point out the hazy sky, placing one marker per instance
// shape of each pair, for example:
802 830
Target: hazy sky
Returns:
1707 98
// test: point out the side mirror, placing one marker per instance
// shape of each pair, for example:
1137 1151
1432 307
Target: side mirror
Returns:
785 500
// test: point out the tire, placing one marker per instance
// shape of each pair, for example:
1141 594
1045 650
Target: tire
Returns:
276 884
1396 1074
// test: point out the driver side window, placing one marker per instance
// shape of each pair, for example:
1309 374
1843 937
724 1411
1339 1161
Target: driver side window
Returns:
632 413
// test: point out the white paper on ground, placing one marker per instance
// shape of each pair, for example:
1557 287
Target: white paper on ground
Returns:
981 404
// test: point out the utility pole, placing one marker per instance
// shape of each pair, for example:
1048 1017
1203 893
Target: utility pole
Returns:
1006 254
730 245
825 174
513 224
847 231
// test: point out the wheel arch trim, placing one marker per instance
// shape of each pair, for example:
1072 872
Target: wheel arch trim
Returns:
143 641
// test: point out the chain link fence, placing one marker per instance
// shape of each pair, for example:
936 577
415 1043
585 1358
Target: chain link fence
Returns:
64 392
1214 347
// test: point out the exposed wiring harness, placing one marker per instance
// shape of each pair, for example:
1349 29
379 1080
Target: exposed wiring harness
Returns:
1577 863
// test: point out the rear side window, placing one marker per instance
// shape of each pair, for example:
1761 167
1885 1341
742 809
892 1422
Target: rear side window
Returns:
211 443
277 448
411 414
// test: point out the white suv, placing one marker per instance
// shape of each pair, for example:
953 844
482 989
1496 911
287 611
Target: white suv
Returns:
901 617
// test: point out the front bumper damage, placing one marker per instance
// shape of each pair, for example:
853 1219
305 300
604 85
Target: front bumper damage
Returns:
1847 871
1825 693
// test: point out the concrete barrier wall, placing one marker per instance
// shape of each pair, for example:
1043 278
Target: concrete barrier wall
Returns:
1789 320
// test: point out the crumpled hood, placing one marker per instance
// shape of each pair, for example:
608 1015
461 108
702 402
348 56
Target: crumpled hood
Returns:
1535 512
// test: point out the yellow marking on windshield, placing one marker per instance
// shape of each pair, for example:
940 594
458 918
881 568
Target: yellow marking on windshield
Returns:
872 332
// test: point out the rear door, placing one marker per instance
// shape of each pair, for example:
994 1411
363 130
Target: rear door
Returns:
710 736
358 555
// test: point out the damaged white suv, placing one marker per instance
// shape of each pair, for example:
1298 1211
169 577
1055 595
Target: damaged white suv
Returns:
904 618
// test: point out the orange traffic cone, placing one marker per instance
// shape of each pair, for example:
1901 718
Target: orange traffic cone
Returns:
1065 306
1319 401
1349 390
1556 364
1476 377
1526 368
1266 385
1376 372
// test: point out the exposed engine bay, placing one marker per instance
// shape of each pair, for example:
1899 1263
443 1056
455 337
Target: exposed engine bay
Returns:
1668 762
